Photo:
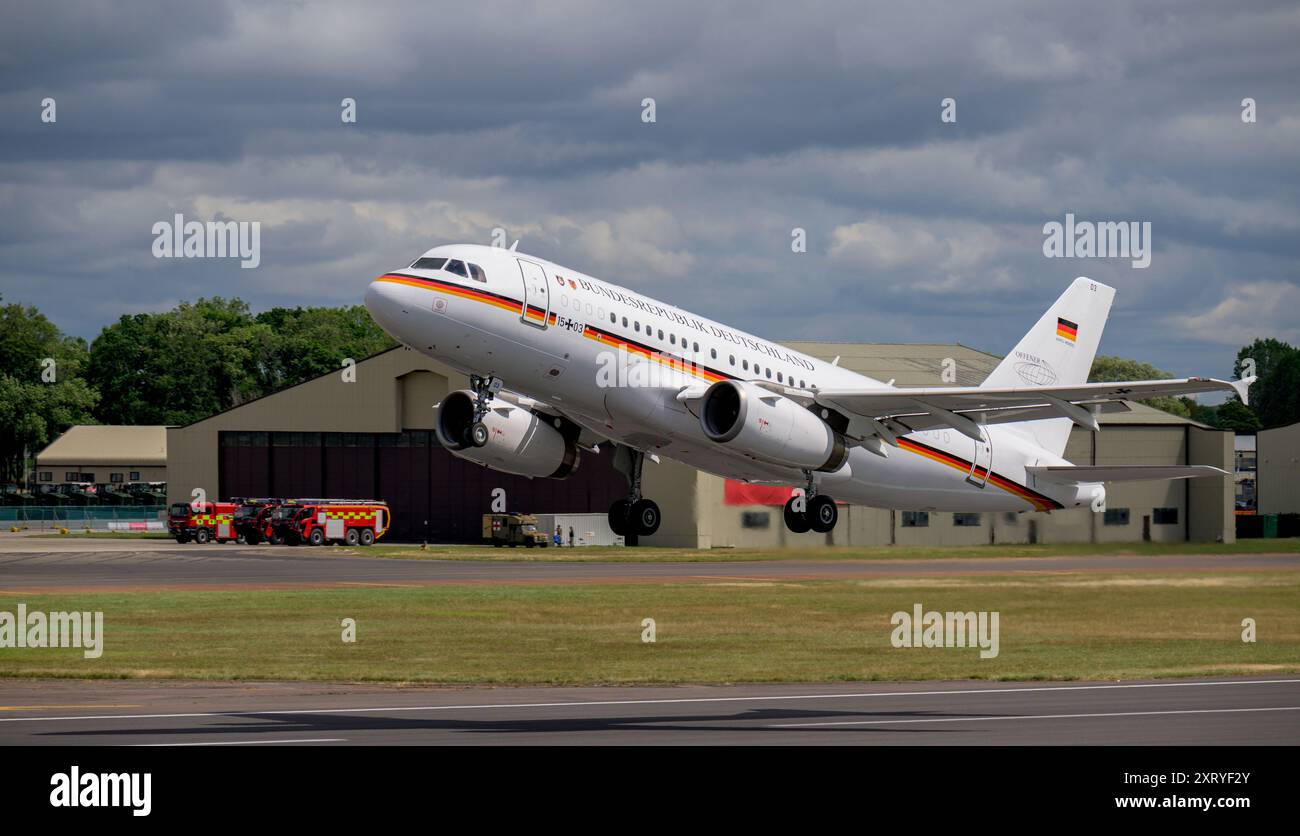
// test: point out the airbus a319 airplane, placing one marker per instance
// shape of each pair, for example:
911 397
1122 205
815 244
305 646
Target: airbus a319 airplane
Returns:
560 362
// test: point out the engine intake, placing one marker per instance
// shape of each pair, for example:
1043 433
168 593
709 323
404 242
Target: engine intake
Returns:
519 441
770 427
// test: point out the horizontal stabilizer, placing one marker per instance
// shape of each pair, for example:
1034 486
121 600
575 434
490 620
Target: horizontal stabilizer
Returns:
1123 473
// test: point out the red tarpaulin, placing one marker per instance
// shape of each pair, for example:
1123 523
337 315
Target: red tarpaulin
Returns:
741 493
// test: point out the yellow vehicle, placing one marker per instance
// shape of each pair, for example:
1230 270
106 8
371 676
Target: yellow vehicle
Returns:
513 530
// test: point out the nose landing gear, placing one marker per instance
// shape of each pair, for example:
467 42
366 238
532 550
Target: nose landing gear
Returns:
484 388
812 511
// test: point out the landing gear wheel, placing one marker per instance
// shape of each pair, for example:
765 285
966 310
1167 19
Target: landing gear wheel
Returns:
645 516
352 537
478 434
619 513
822 513
794 520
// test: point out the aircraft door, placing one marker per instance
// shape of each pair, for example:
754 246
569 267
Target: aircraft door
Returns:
982 461
537 293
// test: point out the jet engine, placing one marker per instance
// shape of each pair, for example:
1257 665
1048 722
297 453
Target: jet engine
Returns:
518 440
769 427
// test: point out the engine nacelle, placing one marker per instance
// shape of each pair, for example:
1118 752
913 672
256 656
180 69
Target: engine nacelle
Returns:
519 441
769 427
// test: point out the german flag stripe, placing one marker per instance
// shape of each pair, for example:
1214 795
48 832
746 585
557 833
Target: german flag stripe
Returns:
535 313
655 356
1066 328
1038 500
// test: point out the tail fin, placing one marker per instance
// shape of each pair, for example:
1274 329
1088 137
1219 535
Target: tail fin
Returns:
1058 350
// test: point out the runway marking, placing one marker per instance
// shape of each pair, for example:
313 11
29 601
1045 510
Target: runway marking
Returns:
677 701
1031 717
246 742
48 707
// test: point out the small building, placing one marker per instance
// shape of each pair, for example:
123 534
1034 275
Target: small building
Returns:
102 454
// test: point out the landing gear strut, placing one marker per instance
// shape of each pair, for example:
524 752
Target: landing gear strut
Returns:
635 515
812 511
484 389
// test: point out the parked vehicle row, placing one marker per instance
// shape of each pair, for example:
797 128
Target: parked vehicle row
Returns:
290 522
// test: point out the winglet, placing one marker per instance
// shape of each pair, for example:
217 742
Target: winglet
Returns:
1242 387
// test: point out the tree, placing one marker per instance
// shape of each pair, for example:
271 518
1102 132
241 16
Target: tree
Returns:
1236 416
1275 396
177 367
199 359
312 341
1109 368
41 391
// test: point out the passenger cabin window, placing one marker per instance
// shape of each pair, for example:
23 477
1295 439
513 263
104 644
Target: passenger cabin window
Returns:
476 273
713 352
661 333
457 267
613 317
778 378
428 264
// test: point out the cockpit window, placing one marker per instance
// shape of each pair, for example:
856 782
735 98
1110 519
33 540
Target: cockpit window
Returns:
457 267
476 273
428 264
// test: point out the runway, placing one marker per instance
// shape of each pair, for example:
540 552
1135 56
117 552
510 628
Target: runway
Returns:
1239 711
32 565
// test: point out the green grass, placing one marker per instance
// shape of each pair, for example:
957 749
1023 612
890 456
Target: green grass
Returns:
1084 626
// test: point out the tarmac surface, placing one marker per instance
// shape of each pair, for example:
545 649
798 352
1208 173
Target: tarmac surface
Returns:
36 565
1240 711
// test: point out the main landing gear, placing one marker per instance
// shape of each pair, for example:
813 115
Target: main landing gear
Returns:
812 511
484 389
635 515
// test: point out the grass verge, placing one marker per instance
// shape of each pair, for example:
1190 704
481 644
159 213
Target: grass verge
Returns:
1051 627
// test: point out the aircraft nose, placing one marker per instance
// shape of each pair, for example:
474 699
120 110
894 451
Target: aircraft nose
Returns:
383 300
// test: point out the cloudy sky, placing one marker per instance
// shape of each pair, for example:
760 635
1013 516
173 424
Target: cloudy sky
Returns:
769 116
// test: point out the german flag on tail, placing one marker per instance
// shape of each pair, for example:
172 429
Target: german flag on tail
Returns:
1067 329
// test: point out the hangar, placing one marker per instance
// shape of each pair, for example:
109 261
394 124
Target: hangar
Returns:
367 432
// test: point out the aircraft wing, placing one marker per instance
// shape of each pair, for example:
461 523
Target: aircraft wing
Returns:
1123 473
897 411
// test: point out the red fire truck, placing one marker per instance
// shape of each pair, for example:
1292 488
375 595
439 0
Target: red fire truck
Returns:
253 520
202 522
318 521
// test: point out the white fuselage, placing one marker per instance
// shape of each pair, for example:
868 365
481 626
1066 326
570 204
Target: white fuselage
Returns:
614 361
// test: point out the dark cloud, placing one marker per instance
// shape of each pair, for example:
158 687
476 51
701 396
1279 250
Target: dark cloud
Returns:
771 116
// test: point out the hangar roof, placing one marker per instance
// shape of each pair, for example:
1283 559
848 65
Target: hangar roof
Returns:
107 445
909 364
